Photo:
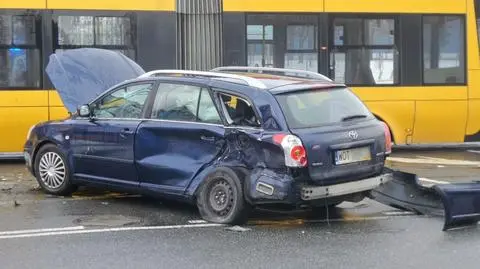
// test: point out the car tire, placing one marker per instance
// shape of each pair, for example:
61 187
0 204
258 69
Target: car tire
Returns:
52 171
220 198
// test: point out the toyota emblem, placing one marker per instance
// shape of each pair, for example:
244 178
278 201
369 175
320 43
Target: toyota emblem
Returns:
353 134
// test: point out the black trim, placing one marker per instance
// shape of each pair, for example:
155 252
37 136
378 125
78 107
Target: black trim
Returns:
47 47
472 138
410 45
323 44
234 39
95 157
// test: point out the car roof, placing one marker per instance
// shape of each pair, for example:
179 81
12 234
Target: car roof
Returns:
275 84
280 84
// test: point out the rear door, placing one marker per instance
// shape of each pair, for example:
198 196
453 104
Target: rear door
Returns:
342 138
111 135
184 134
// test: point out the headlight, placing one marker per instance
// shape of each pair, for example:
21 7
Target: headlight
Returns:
30 131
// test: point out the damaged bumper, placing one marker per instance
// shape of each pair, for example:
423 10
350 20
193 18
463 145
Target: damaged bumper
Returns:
459 203
267 186
320 192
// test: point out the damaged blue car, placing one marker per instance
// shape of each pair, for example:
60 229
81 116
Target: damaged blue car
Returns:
226 140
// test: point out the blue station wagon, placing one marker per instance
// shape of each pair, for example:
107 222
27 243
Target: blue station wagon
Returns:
226 140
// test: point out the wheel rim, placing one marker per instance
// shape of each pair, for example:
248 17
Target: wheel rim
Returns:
52 170
221 198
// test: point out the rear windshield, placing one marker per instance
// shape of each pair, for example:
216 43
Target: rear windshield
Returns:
315 108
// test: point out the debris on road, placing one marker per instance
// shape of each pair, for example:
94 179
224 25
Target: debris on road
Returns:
238 229
459 203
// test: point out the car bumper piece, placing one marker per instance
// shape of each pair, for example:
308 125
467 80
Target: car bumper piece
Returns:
319 192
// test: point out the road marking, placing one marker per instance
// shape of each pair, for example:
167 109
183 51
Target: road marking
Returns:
474 151
398 213
431 160
197 221
42 230
120 229
433 181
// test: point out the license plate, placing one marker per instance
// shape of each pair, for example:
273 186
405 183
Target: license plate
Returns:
352 155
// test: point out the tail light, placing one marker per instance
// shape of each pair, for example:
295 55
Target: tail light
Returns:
295 153
388 138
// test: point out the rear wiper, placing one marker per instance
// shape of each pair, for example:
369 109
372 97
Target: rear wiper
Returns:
353 117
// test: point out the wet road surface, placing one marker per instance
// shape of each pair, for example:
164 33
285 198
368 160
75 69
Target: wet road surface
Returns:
96 229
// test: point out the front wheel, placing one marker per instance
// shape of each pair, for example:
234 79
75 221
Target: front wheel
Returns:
220 198
52 171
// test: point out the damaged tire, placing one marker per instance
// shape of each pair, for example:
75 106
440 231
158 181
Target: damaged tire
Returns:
220 198
52 171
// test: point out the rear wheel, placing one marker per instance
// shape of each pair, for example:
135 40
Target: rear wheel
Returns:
52 171
220 198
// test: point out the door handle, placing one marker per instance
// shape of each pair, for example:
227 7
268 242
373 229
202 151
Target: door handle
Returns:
125 132
207 138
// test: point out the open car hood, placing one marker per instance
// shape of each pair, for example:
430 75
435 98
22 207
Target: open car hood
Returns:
79 75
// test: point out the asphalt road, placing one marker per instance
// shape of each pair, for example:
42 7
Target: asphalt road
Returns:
96 229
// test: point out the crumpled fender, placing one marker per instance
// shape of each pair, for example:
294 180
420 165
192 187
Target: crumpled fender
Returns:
266 186
458 203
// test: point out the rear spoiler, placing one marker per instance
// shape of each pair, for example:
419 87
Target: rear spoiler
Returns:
458 203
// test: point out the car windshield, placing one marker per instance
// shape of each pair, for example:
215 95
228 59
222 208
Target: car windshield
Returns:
315 108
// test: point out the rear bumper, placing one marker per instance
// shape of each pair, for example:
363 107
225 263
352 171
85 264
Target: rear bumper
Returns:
268 187
319 192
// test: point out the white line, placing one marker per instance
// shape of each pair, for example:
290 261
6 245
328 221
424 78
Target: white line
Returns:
474 151
433 181
42 230
198 221
398 213
111 230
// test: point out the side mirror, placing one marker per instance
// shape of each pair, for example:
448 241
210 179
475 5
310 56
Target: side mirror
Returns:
84 111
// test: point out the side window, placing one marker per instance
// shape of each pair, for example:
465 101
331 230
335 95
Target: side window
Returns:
443 50
20 59
207 112
238 111
126 102
176 102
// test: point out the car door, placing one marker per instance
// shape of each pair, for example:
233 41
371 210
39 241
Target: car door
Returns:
185 133
110 135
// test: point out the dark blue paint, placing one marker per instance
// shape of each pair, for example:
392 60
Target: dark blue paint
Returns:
173 153
173 158
322 141
105 149
461 202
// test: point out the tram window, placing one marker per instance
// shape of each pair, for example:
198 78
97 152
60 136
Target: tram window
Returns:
302 47
365 51
260 45
443 50
112 33
19 52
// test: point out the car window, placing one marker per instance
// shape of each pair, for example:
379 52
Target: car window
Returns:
207 112
176 102
321 107
126 102
238 111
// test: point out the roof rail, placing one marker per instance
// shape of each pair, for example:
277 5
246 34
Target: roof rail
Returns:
308 74
248 80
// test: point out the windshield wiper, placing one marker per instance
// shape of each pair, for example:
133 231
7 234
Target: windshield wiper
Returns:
353 117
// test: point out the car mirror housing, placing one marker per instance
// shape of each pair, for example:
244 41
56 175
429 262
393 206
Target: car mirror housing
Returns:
84 111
